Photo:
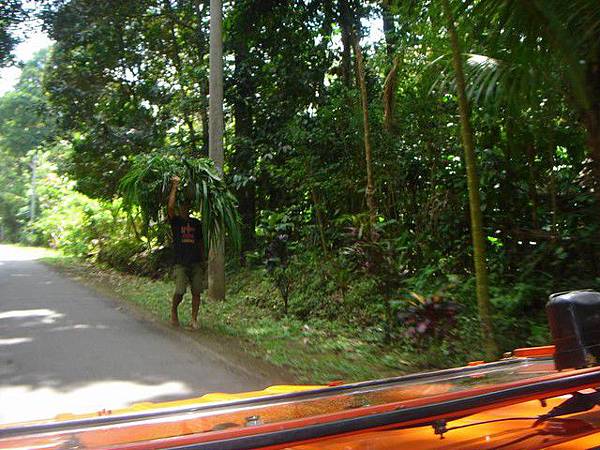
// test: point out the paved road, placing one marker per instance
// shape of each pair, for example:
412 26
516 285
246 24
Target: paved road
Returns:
64 348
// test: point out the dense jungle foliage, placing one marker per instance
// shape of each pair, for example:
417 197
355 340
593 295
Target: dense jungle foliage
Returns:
129 78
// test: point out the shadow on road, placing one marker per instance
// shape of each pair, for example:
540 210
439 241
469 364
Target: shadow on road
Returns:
63 348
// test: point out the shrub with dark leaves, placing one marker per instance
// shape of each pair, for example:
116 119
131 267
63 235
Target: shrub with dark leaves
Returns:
433 317
371 253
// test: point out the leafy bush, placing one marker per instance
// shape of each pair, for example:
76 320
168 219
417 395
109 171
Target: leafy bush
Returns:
120 254
73 223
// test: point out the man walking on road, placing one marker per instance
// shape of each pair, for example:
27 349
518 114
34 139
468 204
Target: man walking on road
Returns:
189 255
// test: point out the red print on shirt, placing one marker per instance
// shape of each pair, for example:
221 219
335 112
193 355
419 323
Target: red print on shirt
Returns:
188 234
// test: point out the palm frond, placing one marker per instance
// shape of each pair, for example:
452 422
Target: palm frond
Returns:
563 33
494 82
147 184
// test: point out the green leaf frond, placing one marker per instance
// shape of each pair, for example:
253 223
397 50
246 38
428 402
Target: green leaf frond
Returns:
145 188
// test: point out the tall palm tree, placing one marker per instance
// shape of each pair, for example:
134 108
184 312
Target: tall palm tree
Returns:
216 259
481 275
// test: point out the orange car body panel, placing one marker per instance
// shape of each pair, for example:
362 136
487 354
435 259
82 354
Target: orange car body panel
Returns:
508 422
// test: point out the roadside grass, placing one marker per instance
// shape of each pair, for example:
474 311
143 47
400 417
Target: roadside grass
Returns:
314 351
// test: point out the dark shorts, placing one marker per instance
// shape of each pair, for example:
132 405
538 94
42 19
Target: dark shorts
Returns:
193 276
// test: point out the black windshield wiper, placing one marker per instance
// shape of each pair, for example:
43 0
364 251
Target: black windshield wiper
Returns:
579 402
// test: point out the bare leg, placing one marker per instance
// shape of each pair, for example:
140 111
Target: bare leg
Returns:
195 308
177 299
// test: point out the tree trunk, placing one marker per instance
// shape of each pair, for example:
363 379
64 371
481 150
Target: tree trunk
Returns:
508 189
317 207
591 118
216 258
389 96
319 217
328 19
345 20
389 87
591 121
243 160
204 115
483 296
360 80
389 28
201 50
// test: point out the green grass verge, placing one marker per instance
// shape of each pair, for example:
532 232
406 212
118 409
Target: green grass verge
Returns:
315 351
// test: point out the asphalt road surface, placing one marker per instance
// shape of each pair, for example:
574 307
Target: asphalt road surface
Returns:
64 348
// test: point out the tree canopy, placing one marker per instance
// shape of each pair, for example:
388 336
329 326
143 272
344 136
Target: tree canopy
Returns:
12 13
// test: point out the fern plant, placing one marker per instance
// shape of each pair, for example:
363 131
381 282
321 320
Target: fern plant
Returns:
146 186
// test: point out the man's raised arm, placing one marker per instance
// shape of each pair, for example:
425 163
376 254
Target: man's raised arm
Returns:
171 202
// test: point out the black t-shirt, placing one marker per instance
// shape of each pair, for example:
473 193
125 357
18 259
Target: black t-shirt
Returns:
188 245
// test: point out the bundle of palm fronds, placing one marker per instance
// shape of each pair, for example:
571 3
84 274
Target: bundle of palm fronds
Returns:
145 190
